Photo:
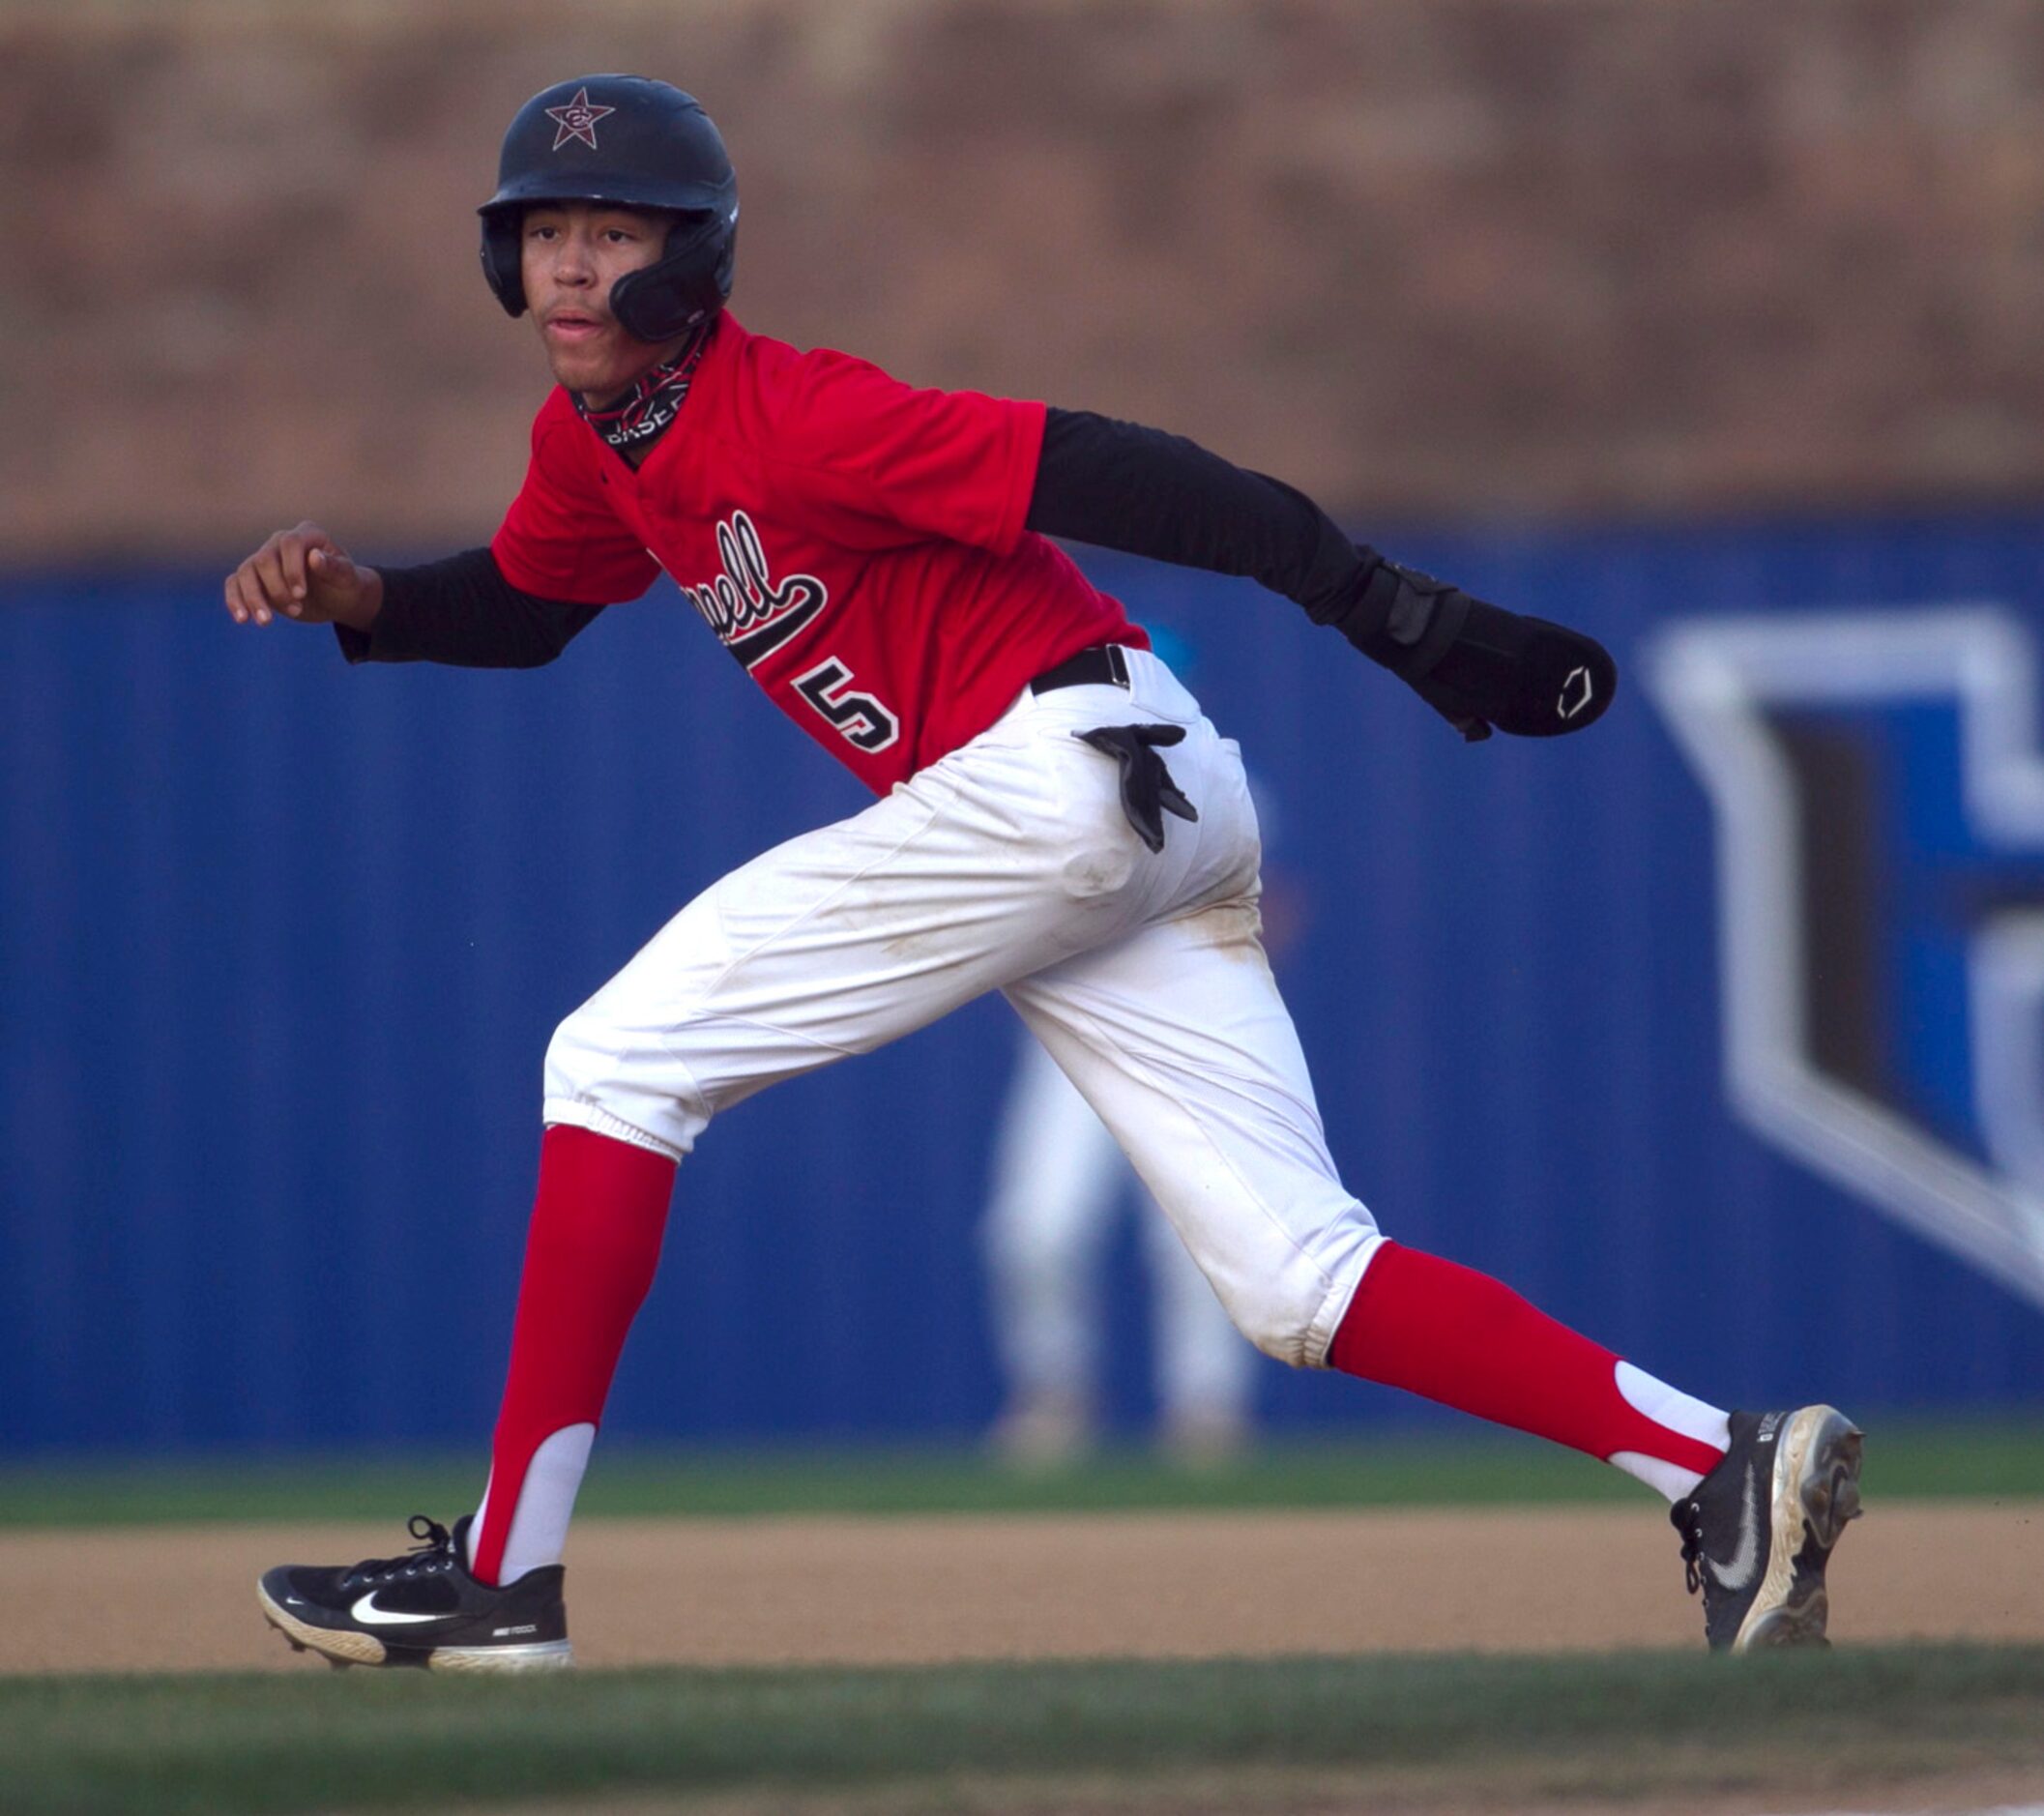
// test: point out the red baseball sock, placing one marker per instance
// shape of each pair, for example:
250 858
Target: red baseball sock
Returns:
590 1255
1454 1335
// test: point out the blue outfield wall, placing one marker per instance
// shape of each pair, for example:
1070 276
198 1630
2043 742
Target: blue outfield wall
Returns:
282 944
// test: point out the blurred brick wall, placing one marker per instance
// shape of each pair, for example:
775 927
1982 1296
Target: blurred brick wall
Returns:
1437 257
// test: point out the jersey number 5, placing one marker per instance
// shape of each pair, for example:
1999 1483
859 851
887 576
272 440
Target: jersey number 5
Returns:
860 719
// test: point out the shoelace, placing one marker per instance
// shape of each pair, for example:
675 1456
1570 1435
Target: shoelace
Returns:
434 1540
1687 1518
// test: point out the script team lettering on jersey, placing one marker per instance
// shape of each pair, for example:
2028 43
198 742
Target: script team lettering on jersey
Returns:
752 617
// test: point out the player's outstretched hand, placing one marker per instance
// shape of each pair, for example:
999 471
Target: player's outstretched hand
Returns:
304 573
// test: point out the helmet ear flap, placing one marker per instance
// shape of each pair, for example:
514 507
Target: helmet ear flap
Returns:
500 266
687 285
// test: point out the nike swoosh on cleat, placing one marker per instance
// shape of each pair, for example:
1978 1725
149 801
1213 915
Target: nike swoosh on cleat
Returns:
370 1615
1738 1570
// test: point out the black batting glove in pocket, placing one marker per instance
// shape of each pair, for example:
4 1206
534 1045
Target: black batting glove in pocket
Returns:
1147 792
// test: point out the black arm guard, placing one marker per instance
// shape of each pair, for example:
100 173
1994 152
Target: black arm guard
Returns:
464 611
1474 664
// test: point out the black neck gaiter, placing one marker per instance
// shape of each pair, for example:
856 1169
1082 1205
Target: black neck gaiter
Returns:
641 416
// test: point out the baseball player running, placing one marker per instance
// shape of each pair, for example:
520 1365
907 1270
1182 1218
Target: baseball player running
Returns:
1057 820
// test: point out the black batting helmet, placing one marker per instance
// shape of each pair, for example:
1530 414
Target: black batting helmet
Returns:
631 140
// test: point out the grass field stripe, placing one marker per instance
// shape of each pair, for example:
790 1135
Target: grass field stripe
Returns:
1904 1459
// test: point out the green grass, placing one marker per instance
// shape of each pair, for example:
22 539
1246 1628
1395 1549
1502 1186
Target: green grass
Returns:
1905 1458
388 1740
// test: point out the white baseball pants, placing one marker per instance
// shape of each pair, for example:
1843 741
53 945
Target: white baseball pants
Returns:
1008 864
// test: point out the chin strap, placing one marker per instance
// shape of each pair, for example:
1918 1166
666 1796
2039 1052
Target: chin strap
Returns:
636 421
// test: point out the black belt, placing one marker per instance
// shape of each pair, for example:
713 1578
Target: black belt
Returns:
1104 666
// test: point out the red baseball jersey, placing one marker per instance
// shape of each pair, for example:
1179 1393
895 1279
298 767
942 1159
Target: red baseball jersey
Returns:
856 543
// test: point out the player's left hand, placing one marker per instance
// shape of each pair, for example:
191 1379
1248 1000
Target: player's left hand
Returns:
1477 664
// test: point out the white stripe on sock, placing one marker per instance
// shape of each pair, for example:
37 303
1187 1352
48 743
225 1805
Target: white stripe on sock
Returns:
1674 1411
539 1527
1671 1407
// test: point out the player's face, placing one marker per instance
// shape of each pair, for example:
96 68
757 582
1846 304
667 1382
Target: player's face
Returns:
571 254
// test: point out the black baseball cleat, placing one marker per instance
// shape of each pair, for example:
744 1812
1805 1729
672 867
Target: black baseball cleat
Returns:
1758 1530
420 1609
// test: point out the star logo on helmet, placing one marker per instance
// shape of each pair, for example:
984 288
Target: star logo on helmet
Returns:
578 120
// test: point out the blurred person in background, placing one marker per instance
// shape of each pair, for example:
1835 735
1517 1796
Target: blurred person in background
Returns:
1059 1179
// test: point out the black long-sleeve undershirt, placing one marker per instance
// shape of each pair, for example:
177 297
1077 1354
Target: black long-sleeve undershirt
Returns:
464 611
1122 486
1113 484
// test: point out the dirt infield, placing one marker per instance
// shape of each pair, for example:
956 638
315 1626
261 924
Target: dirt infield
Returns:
870 1590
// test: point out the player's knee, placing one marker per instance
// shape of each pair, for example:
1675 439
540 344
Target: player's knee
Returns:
599 1076
1278 1322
